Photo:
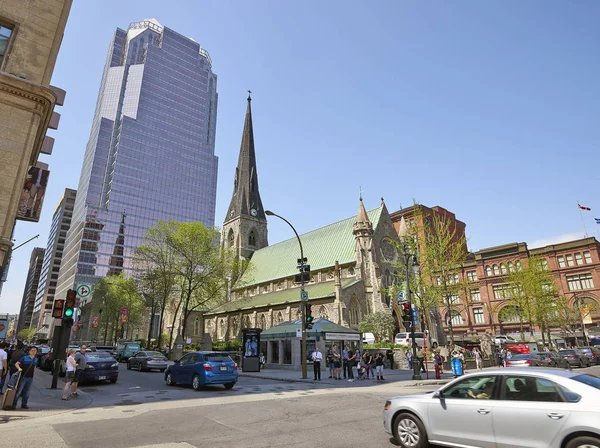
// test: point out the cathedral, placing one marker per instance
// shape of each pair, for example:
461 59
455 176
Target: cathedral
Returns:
352 261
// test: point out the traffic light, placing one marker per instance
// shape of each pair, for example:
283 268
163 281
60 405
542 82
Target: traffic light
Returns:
70 304
309 317
406 315
58 308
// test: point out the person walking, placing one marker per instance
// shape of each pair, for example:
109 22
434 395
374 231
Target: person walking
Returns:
409 358
71 366
350 364
317 357
337 362
478 360
389 354
437 364
81 360
26 366
379 360
345 361
3 365
16 354
421 359
330 363
507 357
367 362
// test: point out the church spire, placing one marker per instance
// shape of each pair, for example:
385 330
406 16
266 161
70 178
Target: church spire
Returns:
246 197
362 225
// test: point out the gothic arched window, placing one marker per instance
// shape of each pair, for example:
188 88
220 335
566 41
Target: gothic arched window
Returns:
197 326
263 322
496 270
503 269
230 238
323 313
354 311
252 238
279 318
488 271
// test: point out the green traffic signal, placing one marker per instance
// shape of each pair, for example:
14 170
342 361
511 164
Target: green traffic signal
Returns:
69 312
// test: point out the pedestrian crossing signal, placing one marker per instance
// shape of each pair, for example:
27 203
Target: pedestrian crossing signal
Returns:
58 308
309 317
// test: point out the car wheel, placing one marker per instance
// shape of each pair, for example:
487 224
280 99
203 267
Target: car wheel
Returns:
196 383
140 369
228 385
583 442
128 365
169 380
409 431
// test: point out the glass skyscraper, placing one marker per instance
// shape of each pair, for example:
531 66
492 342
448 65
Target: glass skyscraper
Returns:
150 155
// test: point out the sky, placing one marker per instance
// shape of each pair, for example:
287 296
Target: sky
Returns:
488 109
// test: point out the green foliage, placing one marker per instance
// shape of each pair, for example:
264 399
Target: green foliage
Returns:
227 346
381 324
386 345
27 334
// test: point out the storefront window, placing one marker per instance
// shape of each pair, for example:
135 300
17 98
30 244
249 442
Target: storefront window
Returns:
287 351
275 351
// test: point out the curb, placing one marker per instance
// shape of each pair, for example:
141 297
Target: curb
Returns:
301 380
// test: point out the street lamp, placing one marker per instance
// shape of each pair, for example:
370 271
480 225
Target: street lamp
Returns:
302 262
415 268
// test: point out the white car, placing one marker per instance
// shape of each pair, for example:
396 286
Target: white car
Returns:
502 339
508 408
368 338
405 340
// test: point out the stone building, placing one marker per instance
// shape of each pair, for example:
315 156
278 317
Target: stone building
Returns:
352 261
30 36
31 287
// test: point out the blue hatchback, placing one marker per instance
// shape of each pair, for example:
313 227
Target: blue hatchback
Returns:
202 369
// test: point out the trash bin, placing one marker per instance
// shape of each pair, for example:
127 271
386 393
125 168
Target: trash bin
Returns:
457 367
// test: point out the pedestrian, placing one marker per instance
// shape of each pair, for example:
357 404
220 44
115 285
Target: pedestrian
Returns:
261 360
317 357
379 360
26 366
345 361
81 360
409 358
478 360
71 366
437 364
372 365
357 361
350 364
389 354
507 357
16 354
3 365
337 362
367 362
330 363
421 359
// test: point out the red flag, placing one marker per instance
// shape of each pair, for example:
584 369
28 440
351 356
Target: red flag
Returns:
583 207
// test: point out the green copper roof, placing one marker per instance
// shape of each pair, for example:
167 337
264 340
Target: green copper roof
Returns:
316 291
321 325
323 247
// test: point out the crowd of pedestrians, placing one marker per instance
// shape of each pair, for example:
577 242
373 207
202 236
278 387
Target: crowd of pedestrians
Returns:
343 363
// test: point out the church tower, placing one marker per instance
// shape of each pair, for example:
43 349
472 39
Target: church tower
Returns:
245 226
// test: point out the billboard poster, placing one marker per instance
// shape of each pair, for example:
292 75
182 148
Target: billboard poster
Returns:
586 315
124 316
33 193
251 339
3 328
95 321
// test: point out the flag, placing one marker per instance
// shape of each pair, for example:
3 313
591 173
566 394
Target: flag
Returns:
597 220
582 207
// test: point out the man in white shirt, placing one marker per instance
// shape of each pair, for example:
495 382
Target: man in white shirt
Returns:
3 365
317 357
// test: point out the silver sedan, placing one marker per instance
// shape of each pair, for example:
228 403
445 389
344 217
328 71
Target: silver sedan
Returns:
147 361
501 408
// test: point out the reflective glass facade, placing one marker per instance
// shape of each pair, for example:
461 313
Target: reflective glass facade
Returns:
150 155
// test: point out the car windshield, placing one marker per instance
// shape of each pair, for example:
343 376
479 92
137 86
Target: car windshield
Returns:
589 380
98 355
217 358
155 354
518 357
567 352
585 350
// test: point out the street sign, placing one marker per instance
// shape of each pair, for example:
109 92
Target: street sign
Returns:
304 296
298 332
401 296
83 291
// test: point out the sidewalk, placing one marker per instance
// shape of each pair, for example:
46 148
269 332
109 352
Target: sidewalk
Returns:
43 400
390 376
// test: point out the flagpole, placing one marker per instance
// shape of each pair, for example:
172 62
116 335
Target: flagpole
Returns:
582 220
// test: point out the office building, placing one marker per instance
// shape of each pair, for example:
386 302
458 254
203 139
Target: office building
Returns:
31 286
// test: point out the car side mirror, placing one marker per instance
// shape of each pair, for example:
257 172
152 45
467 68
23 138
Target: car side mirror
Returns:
438 394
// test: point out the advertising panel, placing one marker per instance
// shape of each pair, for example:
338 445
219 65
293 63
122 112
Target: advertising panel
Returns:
124 316
95 321
33 193
3 328
250 347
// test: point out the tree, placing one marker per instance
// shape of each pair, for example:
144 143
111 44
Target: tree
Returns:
381 324
532 294
27 334
441 251
155 260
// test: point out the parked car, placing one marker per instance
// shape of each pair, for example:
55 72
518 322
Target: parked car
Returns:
405 340
592 353
529 360
101 366
126 350
575 357
148 361
105 348
368 338
512 408
554 359
502 339
200 369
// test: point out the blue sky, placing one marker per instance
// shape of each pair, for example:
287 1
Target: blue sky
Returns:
489 109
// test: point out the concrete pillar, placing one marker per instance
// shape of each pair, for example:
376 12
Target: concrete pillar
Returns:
270 352
281 354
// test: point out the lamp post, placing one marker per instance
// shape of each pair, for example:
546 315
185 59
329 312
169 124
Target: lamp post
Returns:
302 262
415 266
